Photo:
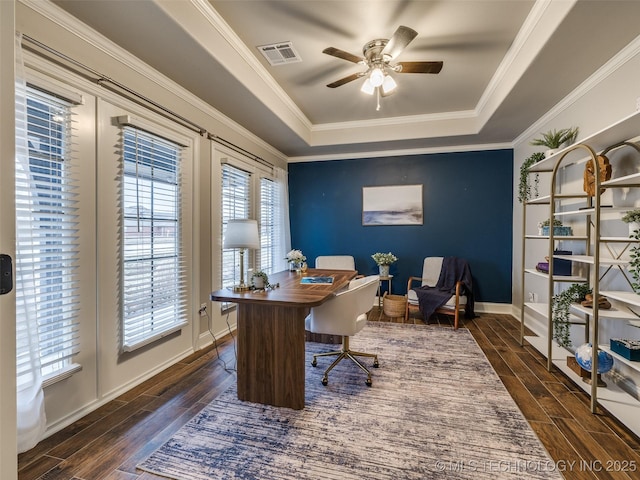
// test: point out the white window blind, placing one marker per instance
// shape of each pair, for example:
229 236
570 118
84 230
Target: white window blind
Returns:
154 296
268 219
47 247
236 197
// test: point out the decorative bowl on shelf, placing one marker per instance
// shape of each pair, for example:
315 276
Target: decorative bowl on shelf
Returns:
584 355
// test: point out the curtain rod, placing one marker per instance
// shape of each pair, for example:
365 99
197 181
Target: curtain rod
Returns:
238 149
102 80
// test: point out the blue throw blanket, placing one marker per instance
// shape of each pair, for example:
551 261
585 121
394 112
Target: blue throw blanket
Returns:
453 270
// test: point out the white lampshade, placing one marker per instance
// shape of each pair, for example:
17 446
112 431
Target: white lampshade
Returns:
389 84
367 87
377 77
241 234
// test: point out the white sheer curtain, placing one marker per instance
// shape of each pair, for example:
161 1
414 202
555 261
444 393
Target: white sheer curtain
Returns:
31 416
283 232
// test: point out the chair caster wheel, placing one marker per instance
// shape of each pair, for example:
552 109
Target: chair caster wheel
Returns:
368 382
375 363
314 363
325 381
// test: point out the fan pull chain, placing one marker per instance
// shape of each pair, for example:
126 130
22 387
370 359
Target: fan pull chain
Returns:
378 96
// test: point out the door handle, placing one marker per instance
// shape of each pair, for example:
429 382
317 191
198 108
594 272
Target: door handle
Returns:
6 274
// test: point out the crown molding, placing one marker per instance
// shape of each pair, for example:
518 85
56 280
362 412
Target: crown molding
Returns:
468 126
542 21
222 27
106 46
406 120
399 153
519 43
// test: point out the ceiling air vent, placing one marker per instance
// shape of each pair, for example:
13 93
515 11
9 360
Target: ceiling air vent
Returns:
280 53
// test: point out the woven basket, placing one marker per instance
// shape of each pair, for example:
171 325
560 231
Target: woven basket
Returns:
394 305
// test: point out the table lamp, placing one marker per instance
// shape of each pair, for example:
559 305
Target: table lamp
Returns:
241 234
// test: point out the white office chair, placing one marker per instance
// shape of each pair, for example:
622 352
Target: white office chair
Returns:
336 262
431 269
346 315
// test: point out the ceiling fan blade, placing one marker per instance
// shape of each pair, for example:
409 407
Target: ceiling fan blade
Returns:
342 81
419 67
336 52
401 38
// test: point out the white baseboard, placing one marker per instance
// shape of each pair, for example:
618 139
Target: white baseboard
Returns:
482 307
113 394
488 307
205 339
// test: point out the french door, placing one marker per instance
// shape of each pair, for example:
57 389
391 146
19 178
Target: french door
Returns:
8 469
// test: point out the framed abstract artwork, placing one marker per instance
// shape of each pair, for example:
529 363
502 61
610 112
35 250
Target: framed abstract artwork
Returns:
392 205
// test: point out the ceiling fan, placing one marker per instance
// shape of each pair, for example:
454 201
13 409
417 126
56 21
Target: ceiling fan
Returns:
378 57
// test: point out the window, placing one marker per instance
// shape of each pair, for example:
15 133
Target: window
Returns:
268 222
154 297
236 196
251 190
47 247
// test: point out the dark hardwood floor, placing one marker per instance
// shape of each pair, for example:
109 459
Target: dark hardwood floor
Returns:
108 443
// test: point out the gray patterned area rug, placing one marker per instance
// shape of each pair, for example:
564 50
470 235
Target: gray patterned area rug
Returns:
437 409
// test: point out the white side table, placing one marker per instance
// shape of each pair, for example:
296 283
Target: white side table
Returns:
383 279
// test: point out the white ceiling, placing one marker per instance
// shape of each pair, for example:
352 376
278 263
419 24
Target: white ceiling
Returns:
506 63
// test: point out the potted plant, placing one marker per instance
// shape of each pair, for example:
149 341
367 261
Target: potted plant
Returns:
560 304
524 189
632 217
558 229
554 139
384 260
260 280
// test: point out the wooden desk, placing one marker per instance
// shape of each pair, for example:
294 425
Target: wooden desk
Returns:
270 335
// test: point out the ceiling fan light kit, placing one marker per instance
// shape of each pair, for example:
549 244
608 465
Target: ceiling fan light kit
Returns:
387 84
378 55
367 87
376 77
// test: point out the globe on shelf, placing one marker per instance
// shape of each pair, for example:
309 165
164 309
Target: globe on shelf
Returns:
584 354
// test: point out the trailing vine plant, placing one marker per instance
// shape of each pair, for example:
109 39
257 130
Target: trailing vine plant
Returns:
560 311
524 189
631 216
634 262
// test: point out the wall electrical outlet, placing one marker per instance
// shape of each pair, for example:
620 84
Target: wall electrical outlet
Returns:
531 296
203 310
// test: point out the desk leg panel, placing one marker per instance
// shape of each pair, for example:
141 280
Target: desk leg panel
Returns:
271 354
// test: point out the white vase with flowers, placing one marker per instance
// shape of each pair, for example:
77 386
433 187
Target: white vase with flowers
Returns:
296 260
384 261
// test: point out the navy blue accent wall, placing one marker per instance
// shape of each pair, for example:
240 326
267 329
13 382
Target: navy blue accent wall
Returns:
467 213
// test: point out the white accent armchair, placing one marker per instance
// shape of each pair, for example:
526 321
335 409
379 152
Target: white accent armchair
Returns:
345 315
431 276
336 262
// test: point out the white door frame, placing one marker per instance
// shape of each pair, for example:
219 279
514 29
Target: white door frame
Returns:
8 444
